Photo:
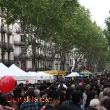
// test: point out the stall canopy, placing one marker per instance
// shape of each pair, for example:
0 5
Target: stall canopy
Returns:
73 74
32 74
41 75
18 73
56 72
4 70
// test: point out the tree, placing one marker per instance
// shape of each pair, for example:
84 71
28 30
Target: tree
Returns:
44 17
106 33
90 41
63 24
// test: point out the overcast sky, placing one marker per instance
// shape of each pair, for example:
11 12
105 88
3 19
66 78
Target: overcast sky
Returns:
99 9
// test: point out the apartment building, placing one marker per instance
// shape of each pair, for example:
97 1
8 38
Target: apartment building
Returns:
23 53
14 49
6 40
43 55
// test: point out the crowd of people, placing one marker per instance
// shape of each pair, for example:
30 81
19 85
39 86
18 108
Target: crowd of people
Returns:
83 93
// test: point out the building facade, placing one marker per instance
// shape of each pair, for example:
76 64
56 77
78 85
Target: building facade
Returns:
15 49
6 41
23 54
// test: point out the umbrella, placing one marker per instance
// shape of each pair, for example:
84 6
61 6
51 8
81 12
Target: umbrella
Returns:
86 73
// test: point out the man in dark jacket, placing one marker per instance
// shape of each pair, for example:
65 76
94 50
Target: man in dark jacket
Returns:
54 101
76 101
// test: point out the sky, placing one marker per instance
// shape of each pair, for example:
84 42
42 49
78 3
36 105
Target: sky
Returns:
99 10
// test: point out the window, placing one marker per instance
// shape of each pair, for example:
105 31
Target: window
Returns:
23 50
70 61
3 38
23 38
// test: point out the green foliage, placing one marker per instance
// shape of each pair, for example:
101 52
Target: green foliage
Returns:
64 22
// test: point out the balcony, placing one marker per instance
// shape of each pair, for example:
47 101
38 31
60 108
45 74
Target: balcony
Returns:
3 29
9 47
9 31
18 43
7 62
24 56
18 31
6 46
40 56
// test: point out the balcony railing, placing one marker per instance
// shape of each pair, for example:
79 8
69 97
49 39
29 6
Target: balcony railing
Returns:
40 56
3 29
24 56
6 46
8 62
9 47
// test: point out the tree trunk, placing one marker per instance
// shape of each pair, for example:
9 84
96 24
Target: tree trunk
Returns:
75 65
34 55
